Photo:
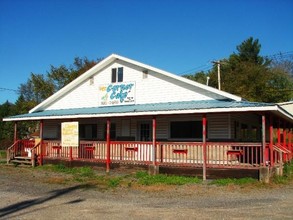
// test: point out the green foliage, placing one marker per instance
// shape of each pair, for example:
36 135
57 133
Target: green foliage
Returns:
200 77
3 154
252 76
145 179
6 131
114 182
40 86
287 174
229 181
78 171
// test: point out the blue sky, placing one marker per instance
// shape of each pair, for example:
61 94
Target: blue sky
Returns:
177 36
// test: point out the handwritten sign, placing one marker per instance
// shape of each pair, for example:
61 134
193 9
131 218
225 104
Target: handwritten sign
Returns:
69 134
117 94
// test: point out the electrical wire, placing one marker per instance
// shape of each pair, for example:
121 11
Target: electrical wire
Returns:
6 89
206 67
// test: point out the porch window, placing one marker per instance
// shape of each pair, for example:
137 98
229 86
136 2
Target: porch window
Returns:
186 130
88 131
145 130
112 131
117 75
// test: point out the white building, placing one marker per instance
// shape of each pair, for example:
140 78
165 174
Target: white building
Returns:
127 111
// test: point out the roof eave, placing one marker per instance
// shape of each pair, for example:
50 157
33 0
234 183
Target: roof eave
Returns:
165 112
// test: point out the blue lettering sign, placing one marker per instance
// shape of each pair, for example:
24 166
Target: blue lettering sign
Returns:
120 91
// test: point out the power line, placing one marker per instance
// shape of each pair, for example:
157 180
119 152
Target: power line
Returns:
6 89
207 66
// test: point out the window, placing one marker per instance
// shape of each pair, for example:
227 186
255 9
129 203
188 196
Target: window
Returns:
186 129
145 131
87 131
117 75
112 131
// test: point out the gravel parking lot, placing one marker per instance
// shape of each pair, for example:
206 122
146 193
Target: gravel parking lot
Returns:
28 193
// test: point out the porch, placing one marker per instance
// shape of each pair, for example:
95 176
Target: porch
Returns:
218 155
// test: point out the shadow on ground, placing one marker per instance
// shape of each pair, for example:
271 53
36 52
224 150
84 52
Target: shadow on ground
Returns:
20 206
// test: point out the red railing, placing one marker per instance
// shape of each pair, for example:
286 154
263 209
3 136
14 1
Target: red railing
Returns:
179 153
21 148
221 155
225 155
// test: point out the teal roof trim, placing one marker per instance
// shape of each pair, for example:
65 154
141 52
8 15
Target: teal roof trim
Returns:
168 106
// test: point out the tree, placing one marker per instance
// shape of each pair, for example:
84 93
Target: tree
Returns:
6 131
39 86
254 77
200 77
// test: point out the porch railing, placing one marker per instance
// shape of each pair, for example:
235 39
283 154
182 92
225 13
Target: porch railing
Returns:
218 154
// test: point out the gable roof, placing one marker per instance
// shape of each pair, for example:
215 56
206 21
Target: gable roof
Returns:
110 59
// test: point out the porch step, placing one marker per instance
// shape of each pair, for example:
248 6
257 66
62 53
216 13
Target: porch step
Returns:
21 160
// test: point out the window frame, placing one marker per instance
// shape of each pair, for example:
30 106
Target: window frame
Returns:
117 75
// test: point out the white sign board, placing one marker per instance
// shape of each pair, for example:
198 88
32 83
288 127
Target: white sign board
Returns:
117 94
69 134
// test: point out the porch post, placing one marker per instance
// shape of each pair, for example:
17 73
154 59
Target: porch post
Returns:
263 140
153 168
271 141
279 132
290 142
41 141
108 161
204 147
15 132
154 140
284 140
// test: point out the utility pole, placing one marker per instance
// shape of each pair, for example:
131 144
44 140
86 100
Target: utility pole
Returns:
219 73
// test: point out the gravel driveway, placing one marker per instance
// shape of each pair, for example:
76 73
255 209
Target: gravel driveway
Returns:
25 194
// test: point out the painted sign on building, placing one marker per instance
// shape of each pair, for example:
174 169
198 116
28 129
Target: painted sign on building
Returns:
69 134
117 94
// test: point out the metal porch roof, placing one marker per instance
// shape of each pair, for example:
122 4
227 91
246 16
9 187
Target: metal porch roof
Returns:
155 107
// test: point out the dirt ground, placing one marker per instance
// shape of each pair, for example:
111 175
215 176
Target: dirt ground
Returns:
27 193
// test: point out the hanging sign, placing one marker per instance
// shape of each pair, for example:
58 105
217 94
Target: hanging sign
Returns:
117 94
69 134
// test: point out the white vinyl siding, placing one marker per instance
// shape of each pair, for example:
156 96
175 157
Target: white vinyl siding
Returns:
218 126
154 89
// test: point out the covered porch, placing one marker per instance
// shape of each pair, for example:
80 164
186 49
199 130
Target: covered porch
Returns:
264 142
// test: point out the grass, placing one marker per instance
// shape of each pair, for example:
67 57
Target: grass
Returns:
145 179
287 175
2 154
141 178
229 181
